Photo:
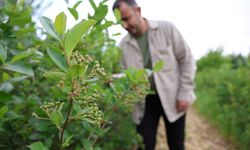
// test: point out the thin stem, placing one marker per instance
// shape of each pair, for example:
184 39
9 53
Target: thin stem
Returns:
93 143
67 58
91 134
65 123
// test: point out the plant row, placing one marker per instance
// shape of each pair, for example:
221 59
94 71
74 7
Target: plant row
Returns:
223 85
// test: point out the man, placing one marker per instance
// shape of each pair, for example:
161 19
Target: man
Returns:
147 43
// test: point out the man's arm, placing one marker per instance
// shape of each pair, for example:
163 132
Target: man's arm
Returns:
186 62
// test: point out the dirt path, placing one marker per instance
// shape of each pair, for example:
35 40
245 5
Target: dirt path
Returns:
200 135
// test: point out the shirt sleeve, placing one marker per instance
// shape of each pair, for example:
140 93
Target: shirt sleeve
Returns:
186 64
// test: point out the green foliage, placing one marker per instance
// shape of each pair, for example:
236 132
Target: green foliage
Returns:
54 75
84 77
93 4
75 34
3 110
37 146
239 61
59 93
20 74
3 53
20 56
158 66
117 15
213 59
73 10
60 23
58 59
223 95
19 67
48 25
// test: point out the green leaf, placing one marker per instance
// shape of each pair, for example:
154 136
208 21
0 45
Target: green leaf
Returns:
139 74
66 143
93 4
73 12
61 106
77 4
130 72
25 31
158 66
22 18
117 14
58 59
17 79
3 110
116 34
83 111
20 56
76 71
20 67
105 25
103 2
16 5
92 80
5 97
3 53
56 118
5 77
87 145
75 34
100 12
60 23
49 27
112 85
56 76
12 2
6 87
9 5
37 146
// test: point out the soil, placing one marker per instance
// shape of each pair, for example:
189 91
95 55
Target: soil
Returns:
200 135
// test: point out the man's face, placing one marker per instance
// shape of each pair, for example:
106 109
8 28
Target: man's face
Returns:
130 18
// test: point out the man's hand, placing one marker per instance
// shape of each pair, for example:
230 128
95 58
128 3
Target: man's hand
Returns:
182 105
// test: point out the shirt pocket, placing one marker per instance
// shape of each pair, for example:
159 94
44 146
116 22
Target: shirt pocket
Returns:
166 55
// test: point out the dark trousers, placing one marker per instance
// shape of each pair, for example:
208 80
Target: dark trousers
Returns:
148 127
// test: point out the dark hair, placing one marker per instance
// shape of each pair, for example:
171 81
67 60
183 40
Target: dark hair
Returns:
129 2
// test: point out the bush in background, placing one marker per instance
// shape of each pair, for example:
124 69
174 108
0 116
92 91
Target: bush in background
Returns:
223 85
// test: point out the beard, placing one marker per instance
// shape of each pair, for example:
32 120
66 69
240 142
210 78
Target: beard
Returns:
135 30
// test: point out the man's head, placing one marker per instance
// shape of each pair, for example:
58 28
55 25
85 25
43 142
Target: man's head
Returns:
131 3
131 17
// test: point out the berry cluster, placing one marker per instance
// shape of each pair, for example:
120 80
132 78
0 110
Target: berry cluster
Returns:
49 107
86 60
97 69
76 89
78 58
91 112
